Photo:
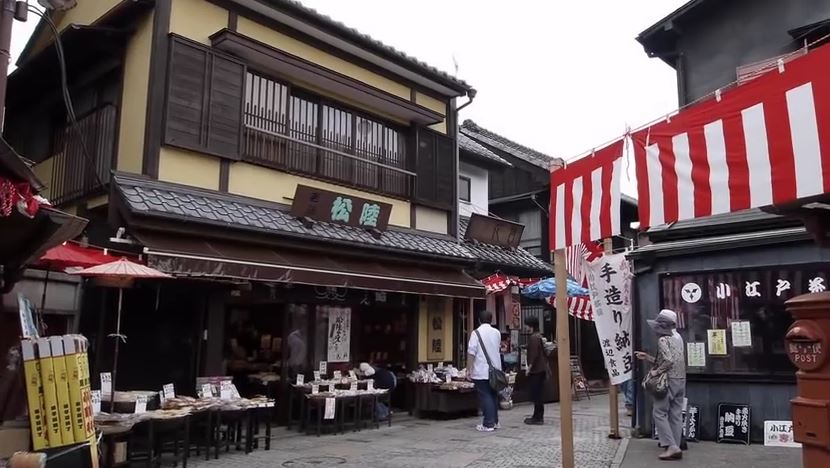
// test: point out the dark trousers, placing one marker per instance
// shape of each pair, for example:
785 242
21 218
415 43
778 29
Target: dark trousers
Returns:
488 399
536 383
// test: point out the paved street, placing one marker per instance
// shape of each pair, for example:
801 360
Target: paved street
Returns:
418 443
643 452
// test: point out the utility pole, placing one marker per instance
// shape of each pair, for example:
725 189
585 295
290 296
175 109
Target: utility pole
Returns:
7 16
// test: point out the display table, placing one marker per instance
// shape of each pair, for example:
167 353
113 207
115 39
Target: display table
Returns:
521 391
430 399
353 409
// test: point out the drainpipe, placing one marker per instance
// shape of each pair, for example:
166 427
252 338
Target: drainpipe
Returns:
471 94
7 11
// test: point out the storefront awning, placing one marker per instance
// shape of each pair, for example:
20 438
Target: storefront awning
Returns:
198 258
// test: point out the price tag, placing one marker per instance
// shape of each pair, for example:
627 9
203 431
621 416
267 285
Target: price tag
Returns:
161 398
106 384
448 378
429 368
315 389
338 375
300 379
370 385
226 390
96 401
353 387
140 404
352 375
207 390
330 403
169 391
316 376
440 365
324 367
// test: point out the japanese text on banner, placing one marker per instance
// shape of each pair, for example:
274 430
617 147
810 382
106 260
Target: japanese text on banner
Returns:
609 280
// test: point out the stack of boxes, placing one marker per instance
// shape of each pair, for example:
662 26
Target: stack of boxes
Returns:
58 391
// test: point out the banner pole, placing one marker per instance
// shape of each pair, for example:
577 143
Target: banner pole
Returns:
563 344
613 399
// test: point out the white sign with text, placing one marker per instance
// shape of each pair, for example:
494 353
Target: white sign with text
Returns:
609 278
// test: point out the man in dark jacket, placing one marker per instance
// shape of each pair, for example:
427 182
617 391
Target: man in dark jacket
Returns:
537 371
384 379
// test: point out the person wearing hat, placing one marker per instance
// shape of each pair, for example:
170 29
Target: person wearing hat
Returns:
668 411
384 379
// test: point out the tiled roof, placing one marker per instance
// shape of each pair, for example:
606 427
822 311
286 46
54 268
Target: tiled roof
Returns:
495 254
367 40
466 143
472 130
147 197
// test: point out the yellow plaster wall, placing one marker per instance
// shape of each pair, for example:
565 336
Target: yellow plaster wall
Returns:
432 220
440 127
423 329
188 168
267 184
293 46
84 13
43 171
431 103
197 19
134 98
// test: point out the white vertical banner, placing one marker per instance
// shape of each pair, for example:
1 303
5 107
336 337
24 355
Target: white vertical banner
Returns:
609 280
340 332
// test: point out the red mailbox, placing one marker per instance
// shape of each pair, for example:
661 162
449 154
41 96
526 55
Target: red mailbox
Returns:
807 345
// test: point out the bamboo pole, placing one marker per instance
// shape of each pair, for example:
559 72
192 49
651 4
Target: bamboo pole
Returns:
613 399
563 343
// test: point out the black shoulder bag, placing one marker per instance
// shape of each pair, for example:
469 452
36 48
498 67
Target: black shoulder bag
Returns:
498 381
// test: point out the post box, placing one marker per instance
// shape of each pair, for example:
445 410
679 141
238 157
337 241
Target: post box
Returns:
807 345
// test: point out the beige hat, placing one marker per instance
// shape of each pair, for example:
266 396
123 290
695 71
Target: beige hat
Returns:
366 369
669 314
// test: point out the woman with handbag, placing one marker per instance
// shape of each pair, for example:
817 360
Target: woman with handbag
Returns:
666 382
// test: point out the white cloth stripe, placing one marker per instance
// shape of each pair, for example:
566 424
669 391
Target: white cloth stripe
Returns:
596 203
576 212
655 185
757 155
718 167
560 216
806 147
616 200
683 169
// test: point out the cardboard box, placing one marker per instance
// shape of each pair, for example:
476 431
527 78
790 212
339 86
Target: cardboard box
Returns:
34 395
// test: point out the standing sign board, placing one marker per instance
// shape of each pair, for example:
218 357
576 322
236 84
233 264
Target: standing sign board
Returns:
733 423
779 434
691 423
609 279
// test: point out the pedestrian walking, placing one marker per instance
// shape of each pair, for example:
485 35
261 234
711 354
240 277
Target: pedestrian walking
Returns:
667 382
482 352
537 371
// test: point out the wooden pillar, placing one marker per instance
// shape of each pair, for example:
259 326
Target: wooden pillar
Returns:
613 398
564 352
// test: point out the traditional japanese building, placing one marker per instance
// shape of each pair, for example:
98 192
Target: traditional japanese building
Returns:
289 171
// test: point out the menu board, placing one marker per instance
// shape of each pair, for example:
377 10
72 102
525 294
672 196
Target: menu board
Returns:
733 423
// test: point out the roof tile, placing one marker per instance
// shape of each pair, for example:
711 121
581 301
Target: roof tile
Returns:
482 135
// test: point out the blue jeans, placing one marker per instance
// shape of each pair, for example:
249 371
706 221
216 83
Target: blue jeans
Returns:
488 399
627 388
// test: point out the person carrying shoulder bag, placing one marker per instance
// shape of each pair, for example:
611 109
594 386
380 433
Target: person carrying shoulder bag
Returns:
484 369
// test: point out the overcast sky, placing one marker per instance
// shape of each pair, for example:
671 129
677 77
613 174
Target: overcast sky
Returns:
560 77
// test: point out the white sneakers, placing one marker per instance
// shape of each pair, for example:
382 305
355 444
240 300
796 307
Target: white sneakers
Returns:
483 428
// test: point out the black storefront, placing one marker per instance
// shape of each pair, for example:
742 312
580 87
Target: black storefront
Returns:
728 279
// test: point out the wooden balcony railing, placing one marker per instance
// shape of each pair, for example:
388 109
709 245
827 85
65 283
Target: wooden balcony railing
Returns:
365 169
74 174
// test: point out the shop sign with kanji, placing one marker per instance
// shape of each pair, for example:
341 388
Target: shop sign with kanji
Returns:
338 208
733 423
609 280
494 231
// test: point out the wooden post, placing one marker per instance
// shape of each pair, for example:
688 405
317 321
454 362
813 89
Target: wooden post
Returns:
613 399
563 344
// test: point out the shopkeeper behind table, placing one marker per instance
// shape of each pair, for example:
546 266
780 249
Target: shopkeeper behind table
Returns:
384 379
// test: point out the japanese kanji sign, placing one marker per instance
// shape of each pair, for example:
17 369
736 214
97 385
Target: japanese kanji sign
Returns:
609 280
322 205
494 231
340 331
733 423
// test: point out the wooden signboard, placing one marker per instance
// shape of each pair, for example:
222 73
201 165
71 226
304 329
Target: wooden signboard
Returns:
733 423
332 207
691 423
494 231
578 380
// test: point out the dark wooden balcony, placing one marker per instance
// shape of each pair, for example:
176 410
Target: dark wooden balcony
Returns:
79 172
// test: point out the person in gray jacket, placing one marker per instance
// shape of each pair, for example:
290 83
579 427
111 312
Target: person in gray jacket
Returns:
668 411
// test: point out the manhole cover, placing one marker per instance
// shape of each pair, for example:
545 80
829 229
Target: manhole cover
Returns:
314 461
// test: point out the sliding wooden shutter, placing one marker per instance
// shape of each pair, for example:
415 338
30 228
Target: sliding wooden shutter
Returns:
435 169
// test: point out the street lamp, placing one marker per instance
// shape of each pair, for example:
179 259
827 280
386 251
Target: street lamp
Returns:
59 5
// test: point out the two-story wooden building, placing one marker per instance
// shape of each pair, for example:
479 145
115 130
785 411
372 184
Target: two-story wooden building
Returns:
296 176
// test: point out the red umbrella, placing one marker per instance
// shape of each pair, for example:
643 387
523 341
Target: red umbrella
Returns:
120 273
72 255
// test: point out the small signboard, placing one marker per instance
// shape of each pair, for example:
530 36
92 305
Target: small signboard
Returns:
370 385
225 390
140 404
96 401
300 380
106 385
324 368
733 423
691 424
494 231
332 207
207 390
779 434
169 391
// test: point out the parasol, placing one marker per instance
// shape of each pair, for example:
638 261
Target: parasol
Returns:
121 274
545 288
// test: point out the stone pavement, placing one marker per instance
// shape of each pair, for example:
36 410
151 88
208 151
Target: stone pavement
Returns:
643 453
417 443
